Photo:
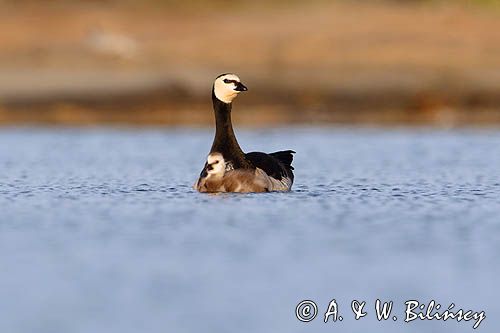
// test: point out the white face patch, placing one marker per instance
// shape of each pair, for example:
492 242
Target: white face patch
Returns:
224 87
217 163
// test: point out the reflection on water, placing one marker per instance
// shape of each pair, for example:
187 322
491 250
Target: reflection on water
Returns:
100 231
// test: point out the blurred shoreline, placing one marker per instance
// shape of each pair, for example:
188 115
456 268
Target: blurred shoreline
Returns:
343 62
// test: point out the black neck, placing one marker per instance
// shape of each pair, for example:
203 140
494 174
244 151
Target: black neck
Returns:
225 141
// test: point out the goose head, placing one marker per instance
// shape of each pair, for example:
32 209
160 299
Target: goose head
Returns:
227 87
216 165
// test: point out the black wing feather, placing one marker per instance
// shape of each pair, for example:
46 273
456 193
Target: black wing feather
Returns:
276 165
285 157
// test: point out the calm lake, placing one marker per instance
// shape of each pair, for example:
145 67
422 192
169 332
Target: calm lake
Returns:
100 231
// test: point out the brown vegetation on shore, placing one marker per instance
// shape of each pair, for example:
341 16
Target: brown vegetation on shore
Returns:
345 62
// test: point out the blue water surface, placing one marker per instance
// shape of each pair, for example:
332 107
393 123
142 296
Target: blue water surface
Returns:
101 231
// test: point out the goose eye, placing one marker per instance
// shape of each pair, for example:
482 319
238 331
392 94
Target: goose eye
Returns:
216 162
227 81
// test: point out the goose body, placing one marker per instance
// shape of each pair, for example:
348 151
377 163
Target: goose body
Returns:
250 172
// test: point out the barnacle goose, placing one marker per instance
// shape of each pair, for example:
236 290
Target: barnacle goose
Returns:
276 167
